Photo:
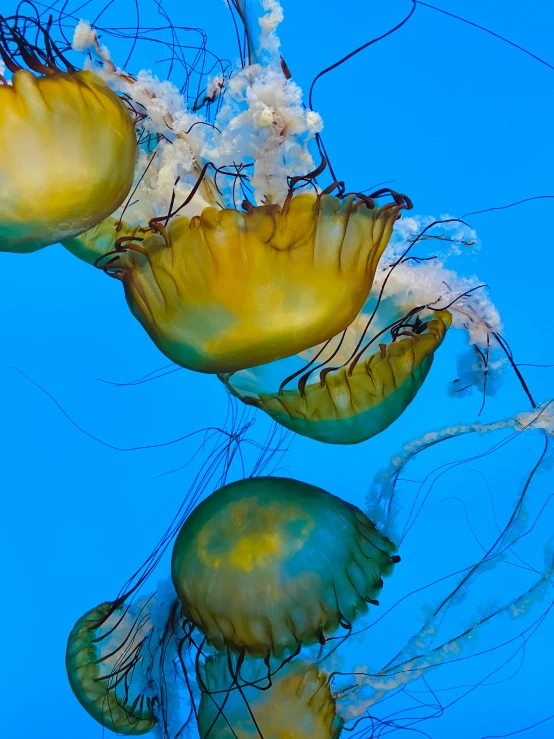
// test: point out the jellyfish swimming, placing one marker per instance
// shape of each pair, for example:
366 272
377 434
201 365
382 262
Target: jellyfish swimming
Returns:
232 266
89 662
355 399
295 701
116 654
69 144
265 565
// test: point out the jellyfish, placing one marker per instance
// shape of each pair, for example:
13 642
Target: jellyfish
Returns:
94 666
239 265
265 565
116 657
351 402
69 149
226 290
295 701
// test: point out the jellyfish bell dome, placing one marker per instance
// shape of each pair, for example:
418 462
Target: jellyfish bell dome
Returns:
69 149
268 564
116 657
295 701
101 664
219 289
225 290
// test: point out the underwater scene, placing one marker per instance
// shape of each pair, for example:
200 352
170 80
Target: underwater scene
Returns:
278 408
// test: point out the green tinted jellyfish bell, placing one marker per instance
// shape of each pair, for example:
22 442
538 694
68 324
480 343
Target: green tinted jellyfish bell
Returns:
265 565
221 282
293 703
68 144
117 655
226 289
351 388
355 386
100 670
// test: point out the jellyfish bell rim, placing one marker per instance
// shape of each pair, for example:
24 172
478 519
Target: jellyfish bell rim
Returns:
299 411
82 659
65 129
227 289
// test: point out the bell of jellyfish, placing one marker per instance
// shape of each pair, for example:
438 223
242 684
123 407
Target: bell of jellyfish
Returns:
225 290
116 657
265 565
94 654
69 144
245 701
236 264
351 395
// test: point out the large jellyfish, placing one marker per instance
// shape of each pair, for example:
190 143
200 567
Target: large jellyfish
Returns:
226 290
69 144
265 565
295 701
220 287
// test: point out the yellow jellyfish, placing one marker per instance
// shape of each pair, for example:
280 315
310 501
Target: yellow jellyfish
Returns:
363 381
226 290
101 662
295 701
69 149
268 564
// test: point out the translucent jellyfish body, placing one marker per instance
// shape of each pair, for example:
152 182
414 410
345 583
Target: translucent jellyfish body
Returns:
227 290
265 565
355 387
295 701
103 651
68 153
99 241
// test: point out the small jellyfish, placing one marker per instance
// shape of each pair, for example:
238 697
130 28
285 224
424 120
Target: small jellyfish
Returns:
117 656
295 701
219 284
103 651
69 144
225 290
355 394
266 565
